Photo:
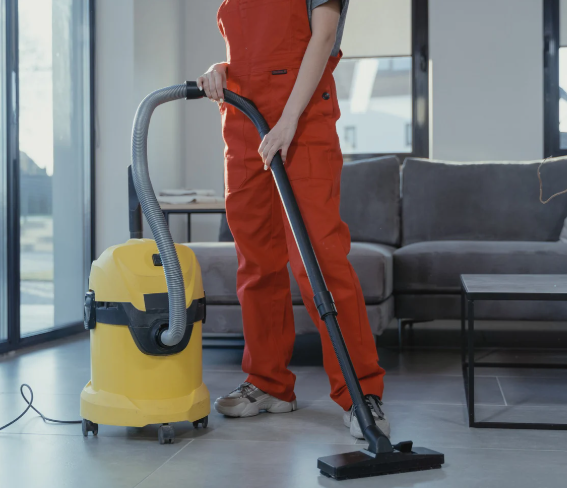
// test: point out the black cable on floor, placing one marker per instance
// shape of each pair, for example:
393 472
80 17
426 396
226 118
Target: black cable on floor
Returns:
29 402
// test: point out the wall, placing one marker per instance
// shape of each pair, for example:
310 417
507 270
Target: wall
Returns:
115 108
486 98
143 45
158 62
203 140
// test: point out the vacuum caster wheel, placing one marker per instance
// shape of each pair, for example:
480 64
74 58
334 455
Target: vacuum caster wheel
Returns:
89 426
166 435
204 422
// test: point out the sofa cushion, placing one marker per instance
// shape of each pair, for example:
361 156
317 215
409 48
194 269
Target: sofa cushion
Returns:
370 199
436 266
373 264
484 201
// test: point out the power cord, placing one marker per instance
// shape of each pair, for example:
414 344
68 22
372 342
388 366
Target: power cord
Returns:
29 402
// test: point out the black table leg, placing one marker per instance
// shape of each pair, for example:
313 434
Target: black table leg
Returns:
470 315
188 227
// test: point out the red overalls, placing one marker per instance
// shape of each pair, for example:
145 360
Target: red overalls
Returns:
265 42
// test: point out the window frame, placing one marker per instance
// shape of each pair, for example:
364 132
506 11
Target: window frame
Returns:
14 340
420 87
551 133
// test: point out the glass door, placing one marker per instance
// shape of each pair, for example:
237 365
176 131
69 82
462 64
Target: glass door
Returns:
54 162
45 180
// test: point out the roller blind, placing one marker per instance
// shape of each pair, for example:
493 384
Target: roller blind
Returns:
562 23
378 28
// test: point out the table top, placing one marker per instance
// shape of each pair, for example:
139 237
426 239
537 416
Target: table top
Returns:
515 286
192 206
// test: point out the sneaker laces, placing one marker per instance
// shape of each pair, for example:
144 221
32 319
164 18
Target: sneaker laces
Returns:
374 402
245 389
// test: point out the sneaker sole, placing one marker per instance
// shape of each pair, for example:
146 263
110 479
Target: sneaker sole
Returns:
270 405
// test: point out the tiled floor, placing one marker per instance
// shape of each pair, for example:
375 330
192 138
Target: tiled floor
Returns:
423 399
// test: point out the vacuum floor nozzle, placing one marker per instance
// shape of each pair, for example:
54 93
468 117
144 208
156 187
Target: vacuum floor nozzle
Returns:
361 464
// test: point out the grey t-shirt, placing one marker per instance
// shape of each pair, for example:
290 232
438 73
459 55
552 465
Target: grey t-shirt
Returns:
311 4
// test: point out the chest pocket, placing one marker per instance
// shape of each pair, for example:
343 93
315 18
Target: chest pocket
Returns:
267 28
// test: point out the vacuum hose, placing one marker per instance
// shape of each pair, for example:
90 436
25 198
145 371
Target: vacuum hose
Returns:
150 206
173 334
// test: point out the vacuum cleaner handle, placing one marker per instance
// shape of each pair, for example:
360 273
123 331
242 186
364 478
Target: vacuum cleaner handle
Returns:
134 209
378 442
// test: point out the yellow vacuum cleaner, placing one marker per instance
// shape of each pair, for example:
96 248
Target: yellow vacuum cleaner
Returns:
144 309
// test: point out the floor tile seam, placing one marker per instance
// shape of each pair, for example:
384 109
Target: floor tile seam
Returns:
460 375
142 438
302 442
386 402
473 448
184 439
501 391
362 443
507 405
189 441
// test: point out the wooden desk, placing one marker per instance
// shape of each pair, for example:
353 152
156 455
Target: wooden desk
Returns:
191 208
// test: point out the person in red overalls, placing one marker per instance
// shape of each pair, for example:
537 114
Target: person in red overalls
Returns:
281 54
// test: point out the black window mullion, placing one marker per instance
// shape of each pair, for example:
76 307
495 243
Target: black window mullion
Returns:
420 86
551 135
13 173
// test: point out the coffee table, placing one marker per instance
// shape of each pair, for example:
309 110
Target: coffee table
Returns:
502 287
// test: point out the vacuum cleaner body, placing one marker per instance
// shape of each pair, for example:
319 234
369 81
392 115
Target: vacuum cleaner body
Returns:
135 381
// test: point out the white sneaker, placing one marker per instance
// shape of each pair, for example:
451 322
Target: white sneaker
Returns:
375 404
247 401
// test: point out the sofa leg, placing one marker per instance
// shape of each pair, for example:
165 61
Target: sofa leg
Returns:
401 328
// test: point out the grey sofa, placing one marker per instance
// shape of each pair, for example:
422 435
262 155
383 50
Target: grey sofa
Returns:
415 229
481 217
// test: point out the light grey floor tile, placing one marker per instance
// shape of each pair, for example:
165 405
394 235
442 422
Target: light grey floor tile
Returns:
535 391
448 362
439 389
527 414
257 464
52 461
312 422
63 369
447 425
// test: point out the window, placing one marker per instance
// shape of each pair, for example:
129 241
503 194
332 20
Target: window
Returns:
382 81
48 69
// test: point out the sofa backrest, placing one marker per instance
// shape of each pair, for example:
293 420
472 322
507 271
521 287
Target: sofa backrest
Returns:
444 200
370 199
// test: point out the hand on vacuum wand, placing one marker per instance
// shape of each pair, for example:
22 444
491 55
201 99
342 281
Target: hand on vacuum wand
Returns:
213 82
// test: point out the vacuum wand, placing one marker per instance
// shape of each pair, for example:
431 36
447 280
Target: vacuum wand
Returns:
378 442
380 457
